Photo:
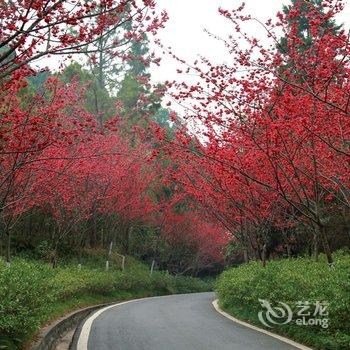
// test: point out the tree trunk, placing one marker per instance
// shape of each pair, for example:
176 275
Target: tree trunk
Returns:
7 247
152 267
315 252
258 251
54 258
346 218
256 254
287 244
289 250
245 255
80 254
347 230
102 238
93 233
325 244
253 251
263 255
124 237
128 239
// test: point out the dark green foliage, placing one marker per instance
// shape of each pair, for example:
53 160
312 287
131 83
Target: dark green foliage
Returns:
303 23
24 292
130 92
139 51
162 118
37 82
138 100
98 100
290 281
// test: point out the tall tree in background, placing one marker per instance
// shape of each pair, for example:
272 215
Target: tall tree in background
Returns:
138 99
98 100
107 61
302 22
299 25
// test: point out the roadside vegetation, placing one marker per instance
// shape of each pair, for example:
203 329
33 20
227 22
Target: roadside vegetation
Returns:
32 293
289 281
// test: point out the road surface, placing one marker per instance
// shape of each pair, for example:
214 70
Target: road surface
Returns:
179 322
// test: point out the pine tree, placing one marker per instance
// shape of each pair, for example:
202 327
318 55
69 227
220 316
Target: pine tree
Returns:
303 24
98 100
137 98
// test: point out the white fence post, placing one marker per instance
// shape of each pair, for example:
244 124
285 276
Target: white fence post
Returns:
123 260
109 254
152 267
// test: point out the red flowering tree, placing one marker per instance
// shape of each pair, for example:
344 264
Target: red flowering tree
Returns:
99 177
29 127
278 120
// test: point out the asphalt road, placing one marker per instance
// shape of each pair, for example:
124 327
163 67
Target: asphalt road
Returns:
179 322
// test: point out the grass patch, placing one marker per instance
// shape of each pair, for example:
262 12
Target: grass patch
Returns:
290 281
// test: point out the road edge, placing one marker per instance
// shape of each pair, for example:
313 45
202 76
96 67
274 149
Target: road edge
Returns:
257 329
51 334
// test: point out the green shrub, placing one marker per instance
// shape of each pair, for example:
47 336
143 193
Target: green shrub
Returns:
32 292
71 282
24 294
134 280
184 284
289 281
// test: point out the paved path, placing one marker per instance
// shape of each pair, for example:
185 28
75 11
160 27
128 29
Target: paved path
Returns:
179 322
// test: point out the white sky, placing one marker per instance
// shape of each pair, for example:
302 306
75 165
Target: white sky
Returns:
184 31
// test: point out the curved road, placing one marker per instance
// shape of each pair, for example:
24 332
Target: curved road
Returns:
178 322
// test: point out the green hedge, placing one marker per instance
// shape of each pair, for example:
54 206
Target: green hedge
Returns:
32 293
289 281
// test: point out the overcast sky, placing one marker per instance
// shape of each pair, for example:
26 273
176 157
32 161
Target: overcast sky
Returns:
184 31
